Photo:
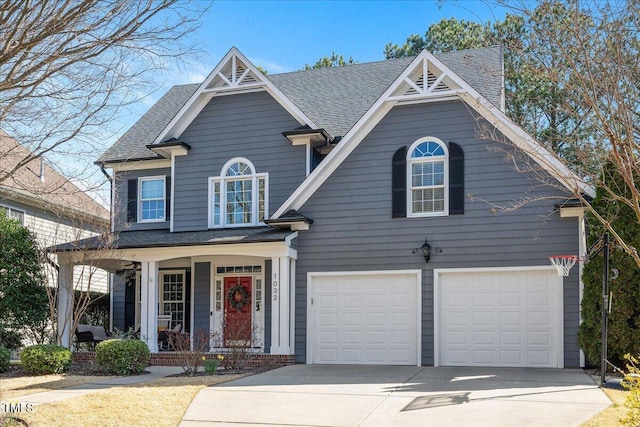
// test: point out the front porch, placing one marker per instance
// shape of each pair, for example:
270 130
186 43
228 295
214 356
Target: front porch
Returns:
202 287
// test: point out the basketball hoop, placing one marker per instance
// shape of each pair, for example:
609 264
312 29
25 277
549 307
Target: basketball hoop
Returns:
563 263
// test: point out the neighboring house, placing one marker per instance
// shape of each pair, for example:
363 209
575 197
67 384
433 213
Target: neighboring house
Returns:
297 201
53 208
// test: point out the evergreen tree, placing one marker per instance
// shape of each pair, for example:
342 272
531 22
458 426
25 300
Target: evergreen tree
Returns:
624 319
23 297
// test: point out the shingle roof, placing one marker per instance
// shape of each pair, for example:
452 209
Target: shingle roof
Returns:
132 145
334 98
165 238
54 193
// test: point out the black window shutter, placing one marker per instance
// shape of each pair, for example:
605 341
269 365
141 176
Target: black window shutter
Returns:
132 200
167 197
399 183
129 300
456 179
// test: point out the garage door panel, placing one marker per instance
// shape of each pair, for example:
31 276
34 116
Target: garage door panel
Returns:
351 319
484 338
511 318
456 319
377 319
511 338
485 319
514 319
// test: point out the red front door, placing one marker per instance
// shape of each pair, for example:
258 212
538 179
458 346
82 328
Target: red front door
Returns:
237 311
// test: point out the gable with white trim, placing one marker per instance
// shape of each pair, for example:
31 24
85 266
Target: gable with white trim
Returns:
234 74
427 79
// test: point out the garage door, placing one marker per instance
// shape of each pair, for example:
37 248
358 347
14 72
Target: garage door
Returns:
364 318
499 318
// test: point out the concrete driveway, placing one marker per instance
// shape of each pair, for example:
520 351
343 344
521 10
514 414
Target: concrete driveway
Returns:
313 395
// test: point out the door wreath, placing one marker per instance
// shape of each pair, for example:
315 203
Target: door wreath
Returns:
238 297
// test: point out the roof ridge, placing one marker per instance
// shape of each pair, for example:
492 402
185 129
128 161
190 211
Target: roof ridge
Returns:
321 69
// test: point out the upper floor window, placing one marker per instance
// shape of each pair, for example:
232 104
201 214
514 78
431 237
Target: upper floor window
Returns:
12 213
151 199
238 197
428 178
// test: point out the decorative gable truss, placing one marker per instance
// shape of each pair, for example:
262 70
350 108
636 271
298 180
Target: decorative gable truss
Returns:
426 80
234 75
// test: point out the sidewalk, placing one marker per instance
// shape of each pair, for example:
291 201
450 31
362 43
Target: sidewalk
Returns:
80 390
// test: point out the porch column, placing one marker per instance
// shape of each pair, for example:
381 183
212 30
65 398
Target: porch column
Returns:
65 304
281 306
149 304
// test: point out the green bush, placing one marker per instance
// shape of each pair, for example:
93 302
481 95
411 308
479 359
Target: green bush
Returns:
632 383
123 357
45 359
5 357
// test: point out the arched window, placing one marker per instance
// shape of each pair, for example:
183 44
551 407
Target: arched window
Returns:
238 197
428 178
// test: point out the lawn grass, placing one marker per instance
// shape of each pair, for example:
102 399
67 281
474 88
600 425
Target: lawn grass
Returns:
161 402
12 387
611 416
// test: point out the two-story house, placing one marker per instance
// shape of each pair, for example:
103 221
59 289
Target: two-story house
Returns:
52 207
352 214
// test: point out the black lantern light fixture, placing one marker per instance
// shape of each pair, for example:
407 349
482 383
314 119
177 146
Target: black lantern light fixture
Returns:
424 250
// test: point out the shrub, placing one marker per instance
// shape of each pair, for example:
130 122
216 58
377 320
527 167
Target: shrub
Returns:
236 341
211 365
190 352
632 383
45 359
5 357
123 357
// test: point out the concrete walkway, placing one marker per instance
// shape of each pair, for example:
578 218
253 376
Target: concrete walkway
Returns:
312 395
82 389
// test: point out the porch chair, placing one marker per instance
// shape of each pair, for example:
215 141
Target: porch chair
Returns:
163 337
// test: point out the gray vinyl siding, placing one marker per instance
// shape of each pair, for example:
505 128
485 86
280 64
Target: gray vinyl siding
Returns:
121 196
201 296
246 125
353 229
118 291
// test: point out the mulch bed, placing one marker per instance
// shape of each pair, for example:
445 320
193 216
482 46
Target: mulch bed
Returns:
85 368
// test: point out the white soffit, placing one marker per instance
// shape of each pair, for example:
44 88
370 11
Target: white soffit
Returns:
427 79
233 74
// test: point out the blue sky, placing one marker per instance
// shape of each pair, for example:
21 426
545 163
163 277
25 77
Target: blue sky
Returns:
283 36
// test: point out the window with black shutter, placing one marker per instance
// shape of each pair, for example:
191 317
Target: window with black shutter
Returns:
431 175
132 200
399 183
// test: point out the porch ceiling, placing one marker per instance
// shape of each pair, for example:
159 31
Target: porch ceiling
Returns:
164 238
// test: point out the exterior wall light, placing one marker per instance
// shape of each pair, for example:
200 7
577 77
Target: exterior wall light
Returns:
424 250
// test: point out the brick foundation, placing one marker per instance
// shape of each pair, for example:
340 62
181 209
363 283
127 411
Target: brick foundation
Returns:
169 358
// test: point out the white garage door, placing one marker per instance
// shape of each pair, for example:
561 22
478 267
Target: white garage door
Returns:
510 317
364 318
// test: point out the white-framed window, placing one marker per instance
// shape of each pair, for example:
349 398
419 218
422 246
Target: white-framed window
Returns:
428 178
172 298
151 199
13 213
239 196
